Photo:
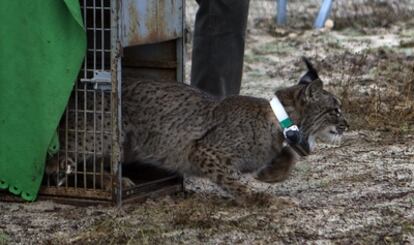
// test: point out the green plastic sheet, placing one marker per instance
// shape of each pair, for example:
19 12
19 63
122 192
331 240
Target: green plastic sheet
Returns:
42 45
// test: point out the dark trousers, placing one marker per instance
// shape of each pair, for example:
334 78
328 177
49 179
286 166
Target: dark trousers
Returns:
218 46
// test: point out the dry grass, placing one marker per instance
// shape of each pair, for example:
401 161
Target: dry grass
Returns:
4 238
377 89
197 219
172 216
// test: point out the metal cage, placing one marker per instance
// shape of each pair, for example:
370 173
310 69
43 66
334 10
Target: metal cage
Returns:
138 39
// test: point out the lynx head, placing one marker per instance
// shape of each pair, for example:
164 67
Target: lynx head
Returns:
316 111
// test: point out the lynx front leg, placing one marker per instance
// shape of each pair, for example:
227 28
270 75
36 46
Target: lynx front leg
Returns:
215 165
280 167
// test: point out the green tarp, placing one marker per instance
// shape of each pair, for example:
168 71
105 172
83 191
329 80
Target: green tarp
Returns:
42 44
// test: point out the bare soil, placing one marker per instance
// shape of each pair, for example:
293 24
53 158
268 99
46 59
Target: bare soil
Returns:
360 192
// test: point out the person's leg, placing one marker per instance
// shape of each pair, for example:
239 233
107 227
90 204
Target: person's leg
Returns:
218 46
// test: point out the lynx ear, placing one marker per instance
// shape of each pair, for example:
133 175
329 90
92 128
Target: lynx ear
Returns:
313 88
311 75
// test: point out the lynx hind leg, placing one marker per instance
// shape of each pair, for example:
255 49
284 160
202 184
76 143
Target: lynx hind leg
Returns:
280 167
216 166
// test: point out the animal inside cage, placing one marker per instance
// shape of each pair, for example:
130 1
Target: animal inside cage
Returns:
126 41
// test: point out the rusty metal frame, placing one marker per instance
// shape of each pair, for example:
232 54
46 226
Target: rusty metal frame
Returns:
116 103
150 21
181 48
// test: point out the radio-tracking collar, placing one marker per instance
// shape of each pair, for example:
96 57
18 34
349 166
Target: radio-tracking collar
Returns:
291 132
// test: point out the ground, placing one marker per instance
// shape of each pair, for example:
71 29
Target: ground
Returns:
361 191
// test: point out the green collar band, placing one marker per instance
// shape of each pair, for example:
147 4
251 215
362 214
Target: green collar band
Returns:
280 113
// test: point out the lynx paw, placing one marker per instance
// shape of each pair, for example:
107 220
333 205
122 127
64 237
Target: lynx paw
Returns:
127 183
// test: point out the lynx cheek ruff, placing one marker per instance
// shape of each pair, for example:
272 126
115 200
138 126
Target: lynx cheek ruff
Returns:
291 132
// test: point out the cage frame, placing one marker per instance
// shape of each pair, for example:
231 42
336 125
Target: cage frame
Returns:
117 195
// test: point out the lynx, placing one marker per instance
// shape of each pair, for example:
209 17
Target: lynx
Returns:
182 129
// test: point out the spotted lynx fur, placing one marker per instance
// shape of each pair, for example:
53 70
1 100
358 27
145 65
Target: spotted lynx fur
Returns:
181 129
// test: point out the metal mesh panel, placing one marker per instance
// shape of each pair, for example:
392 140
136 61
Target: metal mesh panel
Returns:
86 128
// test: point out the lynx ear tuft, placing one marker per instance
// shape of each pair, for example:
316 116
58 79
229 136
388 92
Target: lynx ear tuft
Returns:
311 75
